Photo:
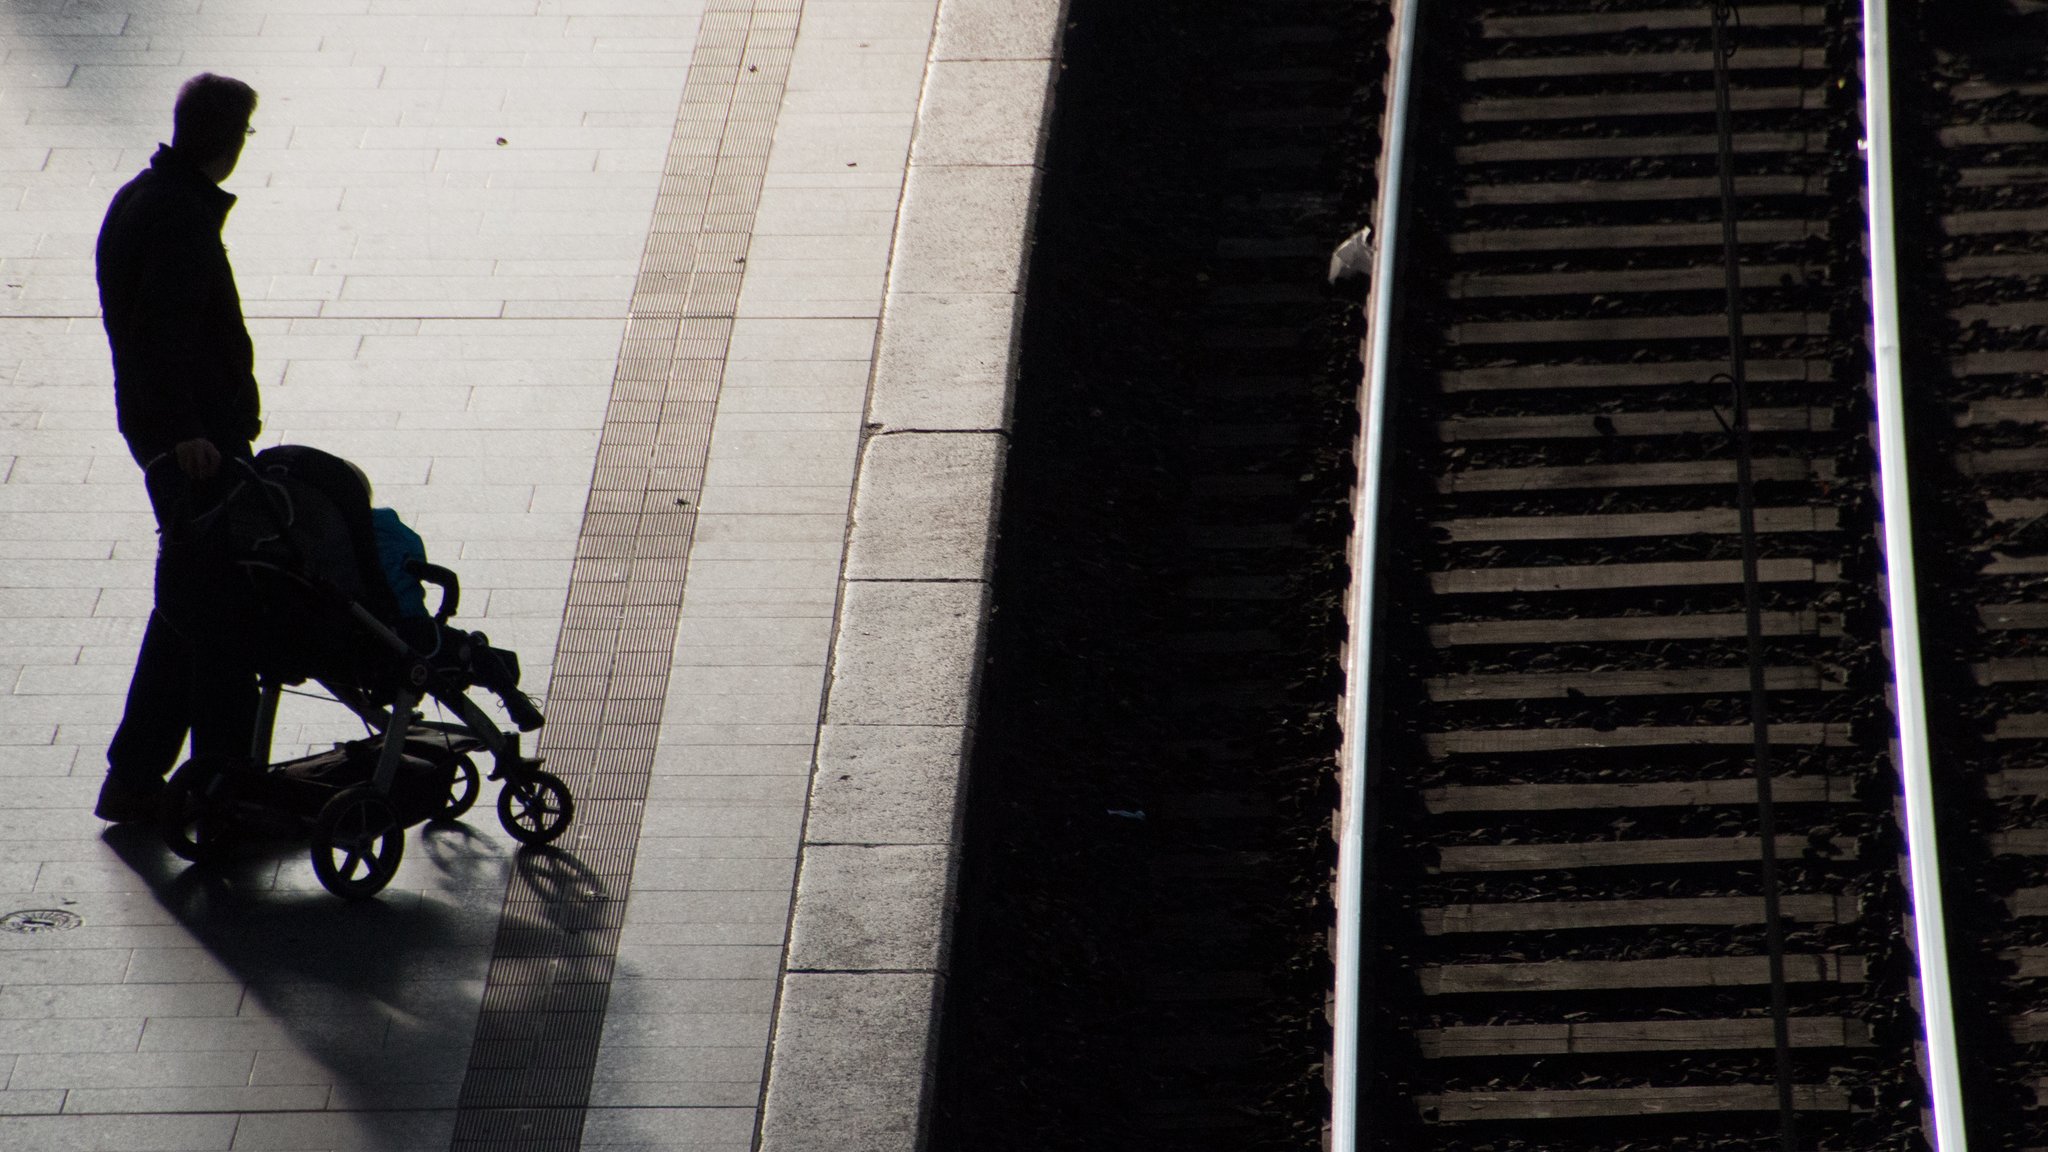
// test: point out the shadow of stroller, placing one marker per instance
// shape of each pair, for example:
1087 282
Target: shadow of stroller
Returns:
376 999
539 1032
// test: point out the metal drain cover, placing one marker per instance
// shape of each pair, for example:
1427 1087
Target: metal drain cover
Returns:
31 921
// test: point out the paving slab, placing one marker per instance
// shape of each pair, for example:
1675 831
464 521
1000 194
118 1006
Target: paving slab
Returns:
854 1053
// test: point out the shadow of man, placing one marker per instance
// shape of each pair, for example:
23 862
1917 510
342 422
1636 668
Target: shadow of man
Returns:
376 999
411 1005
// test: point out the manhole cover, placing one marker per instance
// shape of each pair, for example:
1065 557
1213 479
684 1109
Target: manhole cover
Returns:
34 920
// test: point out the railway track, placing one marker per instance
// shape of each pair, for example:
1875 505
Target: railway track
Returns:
1973 109
1605 913
1574 939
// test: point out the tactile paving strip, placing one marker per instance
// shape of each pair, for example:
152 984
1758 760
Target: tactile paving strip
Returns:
530 1068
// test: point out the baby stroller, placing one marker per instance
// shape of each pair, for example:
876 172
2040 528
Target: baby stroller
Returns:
280 574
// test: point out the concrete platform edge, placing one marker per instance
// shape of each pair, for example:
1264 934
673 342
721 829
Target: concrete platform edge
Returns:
854 1046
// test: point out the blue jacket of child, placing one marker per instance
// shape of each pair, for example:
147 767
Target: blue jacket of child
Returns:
396 544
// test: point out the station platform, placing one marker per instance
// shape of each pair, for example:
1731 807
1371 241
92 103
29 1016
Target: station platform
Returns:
683 332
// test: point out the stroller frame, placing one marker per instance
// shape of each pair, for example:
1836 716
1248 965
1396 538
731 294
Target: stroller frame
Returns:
357 826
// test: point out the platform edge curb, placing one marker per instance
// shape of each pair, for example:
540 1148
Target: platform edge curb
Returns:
943 373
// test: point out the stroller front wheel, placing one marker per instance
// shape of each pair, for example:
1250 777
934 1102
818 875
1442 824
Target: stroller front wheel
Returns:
535 807
357 843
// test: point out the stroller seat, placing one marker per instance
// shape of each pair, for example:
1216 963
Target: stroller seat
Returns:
275 573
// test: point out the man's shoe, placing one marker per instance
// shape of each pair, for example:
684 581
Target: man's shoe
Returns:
127 801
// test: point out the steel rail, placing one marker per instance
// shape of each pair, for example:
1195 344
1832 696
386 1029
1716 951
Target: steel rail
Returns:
1923 862
1348 948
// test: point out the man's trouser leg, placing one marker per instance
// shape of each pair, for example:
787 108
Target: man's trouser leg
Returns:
223 704
159 709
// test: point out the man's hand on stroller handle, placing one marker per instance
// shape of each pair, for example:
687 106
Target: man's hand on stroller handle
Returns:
197 457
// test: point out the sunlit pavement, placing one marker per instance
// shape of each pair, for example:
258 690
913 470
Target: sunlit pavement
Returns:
440 232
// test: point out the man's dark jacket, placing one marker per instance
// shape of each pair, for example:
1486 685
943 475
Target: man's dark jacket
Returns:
183 364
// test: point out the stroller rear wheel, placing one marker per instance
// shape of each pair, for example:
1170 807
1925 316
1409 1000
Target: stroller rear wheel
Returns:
357 843
535 807
193 812
463 789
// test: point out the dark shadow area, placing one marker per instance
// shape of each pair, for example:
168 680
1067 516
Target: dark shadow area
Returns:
530 1071
1139 957
1998 36
388 997
380 993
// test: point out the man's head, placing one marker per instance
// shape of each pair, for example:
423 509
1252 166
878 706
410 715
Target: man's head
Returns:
211 121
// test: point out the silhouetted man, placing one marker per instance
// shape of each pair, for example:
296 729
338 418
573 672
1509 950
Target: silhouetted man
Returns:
185 394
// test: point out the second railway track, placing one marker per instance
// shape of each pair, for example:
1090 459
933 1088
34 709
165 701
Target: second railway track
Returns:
1571 927
1973 112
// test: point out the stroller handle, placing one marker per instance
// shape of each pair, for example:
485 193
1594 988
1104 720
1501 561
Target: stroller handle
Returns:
172 494
449 584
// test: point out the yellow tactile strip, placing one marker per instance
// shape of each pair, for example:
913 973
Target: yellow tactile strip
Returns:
531 1064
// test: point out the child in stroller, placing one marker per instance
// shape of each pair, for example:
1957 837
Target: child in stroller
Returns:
292 574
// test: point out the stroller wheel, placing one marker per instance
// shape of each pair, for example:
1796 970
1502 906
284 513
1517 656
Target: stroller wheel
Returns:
193 811
535 807
357 843
462 790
